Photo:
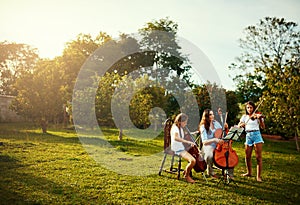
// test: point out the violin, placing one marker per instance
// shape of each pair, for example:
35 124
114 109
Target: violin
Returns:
257 115
200 165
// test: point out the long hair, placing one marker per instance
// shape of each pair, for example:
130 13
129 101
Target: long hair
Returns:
205 120
180 118
249 103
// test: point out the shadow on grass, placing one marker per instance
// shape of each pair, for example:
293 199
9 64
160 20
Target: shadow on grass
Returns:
38 137
17 186
12 181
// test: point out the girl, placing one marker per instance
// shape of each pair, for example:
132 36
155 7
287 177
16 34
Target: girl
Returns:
177 139
207 128
252 122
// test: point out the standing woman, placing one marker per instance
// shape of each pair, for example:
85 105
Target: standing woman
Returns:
207 128
252 122
177 138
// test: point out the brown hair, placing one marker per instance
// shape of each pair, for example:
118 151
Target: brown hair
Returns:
180 118
205 120
250 103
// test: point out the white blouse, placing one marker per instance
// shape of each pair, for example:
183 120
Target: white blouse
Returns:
175 145
251 124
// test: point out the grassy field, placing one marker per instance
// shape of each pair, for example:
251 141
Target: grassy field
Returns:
54 168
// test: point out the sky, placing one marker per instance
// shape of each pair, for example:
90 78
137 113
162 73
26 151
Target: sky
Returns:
213 26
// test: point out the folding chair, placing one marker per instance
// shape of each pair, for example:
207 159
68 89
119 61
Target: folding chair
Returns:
167 151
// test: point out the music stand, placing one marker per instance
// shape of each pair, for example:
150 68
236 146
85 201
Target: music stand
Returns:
233 134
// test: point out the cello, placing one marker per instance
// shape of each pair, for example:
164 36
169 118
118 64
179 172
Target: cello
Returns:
224 156
200 165
221 132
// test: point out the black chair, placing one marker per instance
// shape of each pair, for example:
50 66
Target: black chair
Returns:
167 151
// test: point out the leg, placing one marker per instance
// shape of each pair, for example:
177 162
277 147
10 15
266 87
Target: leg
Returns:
231 173
248 152
192 161
208 156
258 153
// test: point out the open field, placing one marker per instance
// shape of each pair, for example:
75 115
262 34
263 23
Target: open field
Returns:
54 168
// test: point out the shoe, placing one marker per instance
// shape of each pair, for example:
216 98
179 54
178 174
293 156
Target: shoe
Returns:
189 179
214 176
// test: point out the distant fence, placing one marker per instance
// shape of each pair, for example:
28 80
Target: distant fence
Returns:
6 114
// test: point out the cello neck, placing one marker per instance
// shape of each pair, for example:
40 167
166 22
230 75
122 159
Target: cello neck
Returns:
189 133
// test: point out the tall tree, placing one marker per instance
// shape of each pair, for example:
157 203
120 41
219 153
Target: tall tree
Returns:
75 54
271 53
40 97
16 59
271 40
161 36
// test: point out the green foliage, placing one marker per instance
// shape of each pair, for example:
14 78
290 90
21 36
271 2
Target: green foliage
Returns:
270 66
54 168
161 36
48 87
282 99
232 108
39 93
15 60
211 96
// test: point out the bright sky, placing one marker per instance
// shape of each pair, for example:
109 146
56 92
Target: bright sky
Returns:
213 26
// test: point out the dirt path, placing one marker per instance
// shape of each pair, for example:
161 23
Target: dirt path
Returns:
277 138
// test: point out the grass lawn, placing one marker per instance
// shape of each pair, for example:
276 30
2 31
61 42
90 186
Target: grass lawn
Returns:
55 168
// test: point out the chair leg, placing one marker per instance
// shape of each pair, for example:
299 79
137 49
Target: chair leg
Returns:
179 168
162 164
172 162
203 174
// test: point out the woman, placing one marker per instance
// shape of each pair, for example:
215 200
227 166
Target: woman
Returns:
177 139
207 128
252 122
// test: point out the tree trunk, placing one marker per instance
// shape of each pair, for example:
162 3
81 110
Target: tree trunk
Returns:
44 125
296 139
120 134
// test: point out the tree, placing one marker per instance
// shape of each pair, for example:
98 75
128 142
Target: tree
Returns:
270 65
16 59
74 55
40 97
282 99
161 36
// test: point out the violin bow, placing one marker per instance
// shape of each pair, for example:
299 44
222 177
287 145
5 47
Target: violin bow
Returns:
225 120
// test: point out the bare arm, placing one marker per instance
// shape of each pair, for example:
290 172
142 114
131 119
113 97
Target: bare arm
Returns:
179 139
210 141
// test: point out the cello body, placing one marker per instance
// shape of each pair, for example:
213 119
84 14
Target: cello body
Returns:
224 156
200 165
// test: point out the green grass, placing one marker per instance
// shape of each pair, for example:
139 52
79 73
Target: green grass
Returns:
54 168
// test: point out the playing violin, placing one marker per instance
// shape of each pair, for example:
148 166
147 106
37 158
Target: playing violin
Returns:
252 121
